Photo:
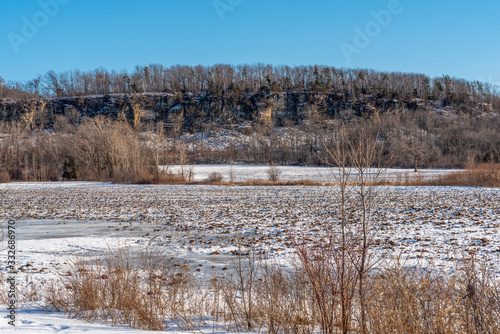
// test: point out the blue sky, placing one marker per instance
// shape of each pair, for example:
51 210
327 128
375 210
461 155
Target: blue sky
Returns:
460 38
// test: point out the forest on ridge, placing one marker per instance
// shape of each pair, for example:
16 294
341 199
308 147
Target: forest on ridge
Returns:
102 124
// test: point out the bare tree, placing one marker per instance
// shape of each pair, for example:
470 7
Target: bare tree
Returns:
111 150
365 155
231 173
412 143
273 173
158 139
338 158
355 158
52 83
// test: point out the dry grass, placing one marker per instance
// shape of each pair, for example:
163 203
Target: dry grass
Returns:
170 178
284 300
124 288
400 299
260 296
147 290
415 300
484 175
114 291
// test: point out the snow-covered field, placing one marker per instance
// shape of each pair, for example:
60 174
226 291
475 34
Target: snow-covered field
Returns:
205 224
241 173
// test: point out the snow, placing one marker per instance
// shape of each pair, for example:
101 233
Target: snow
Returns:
35 321
205 224
243 173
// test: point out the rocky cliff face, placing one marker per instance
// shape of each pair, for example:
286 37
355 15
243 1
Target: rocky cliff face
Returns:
192 111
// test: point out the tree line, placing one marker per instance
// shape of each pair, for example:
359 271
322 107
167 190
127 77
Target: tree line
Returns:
54 128
225 79
102 148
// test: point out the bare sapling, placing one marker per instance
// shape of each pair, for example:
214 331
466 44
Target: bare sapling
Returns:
274 173
355 160
159 131
338 159
365 155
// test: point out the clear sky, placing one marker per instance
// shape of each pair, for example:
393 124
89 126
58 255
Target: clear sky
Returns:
460 38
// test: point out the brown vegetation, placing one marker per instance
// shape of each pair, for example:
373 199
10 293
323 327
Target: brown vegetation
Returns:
102 149
483 175
285 112
147 290
124 287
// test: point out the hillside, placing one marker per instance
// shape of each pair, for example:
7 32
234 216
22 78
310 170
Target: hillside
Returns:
193 110
250 114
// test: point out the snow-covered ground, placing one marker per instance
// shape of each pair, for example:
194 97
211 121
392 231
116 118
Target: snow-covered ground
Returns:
38 321
204 225
241 173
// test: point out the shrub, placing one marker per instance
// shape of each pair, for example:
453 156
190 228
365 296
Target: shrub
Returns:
145 289
215 177
274 173
125 287
171 178
4 176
